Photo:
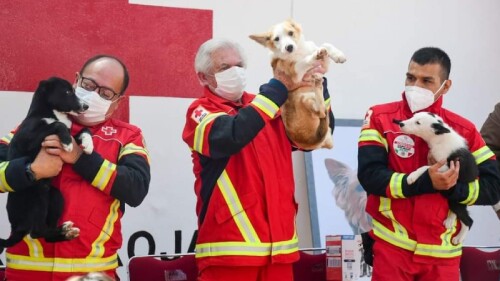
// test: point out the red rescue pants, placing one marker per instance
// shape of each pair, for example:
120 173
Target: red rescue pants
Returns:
272 272
395 264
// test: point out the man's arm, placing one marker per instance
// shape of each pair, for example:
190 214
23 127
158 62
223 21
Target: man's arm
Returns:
127 180
13 173
373 167
490 131
219 135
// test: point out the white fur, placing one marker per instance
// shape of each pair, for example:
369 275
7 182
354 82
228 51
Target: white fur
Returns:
87 143
305 53
63 118
441 146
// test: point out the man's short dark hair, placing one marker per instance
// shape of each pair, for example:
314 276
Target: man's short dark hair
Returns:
429 55
125 71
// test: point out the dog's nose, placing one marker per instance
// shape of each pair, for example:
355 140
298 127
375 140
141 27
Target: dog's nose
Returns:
399 122
289 48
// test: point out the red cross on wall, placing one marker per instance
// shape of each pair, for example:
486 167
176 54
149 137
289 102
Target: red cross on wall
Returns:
53 38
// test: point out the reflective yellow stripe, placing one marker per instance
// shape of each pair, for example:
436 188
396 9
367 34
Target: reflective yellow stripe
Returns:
237 211
482 154
385 209
34 246
7 138
400 237
438 251
473 193
387 235
61 264
104 175
4 186
327 104
106 231
372 136
200 130
448 233
246 248
266 105
396 185
133 148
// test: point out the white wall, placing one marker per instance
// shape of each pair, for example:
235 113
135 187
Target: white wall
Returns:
378 37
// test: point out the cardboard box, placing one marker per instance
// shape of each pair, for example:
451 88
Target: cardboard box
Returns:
343 257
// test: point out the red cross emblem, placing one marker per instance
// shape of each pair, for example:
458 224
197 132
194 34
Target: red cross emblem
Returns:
108 131
197 113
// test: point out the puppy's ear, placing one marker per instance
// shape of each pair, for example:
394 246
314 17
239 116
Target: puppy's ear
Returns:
262 38
294 24
439 129
42 86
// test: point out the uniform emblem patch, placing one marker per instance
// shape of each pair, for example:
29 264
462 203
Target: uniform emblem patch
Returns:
108 131
366 121
199 113
404 146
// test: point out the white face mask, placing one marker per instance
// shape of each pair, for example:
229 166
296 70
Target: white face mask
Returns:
98 107
231 83
420 98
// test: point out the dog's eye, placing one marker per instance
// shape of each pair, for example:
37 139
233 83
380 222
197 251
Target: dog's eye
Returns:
418 122
68 92
276 39
290 33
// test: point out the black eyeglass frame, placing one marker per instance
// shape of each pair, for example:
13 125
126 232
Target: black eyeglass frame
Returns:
100 89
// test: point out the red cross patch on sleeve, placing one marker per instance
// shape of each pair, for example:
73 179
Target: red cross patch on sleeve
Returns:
199 113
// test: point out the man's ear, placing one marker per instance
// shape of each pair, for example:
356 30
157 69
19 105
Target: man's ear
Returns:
262 38
447 86
439 129
202 78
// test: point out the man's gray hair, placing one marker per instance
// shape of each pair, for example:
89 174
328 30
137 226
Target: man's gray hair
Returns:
203 60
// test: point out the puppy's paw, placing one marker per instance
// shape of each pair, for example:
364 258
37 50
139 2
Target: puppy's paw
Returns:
67 147
328 141
449 222
69 231
337 56
87 143
322 53
460 238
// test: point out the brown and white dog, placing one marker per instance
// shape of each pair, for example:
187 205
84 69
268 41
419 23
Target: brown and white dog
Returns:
305 114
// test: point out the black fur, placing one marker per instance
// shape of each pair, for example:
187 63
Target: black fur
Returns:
439 129
36 209
468 172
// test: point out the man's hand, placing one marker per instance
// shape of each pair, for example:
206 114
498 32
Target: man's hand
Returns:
46 165
447 179
53 146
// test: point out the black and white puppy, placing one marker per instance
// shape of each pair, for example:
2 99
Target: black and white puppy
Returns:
444 143
36 209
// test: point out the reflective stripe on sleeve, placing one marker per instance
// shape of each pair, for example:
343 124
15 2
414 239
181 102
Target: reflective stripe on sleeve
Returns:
265 105
104 174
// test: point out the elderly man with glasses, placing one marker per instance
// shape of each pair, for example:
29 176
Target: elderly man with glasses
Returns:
95 186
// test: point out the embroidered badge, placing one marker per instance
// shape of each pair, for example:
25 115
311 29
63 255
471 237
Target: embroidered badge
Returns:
108 131
404 146
366 122
199 113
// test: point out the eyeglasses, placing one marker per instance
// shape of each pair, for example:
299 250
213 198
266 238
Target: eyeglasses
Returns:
104 92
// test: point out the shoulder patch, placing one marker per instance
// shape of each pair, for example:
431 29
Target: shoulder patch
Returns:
199 113
366 121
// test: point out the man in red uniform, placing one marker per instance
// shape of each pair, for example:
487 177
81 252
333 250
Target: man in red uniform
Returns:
411 242
243 168
95 187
